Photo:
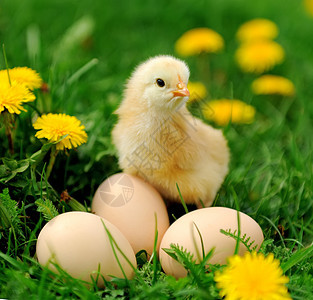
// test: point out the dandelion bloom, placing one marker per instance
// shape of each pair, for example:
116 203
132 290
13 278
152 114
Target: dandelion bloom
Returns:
55 126
252 277
199 40
272 84
197 91
259 56
308 4
23 75
223 111
257 29
13 95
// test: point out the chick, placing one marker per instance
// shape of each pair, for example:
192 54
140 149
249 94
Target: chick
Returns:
159 140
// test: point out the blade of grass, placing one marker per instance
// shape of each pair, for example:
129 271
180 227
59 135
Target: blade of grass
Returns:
84 69
6 63
277 230
114 244
182 199
155 258
207 257
238 221
33 42
201 241
297 257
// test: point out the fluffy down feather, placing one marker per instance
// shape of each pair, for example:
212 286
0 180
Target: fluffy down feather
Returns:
160 141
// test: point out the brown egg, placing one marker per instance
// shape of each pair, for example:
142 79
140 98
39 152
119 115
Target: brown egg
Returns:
209 221
131 204
79 244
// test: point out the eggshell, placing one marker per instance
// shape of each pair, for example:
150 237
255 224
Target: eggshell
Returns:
209 221
79 244
130 204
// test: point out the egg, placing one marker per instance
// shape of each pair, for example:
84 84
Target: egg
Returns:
209 221
131 204
80 245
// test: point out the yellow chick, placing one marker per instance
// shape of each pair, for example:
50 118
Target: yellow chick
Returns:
159 140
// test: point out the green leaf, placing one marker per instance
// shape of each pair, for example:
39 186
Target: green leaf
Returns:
141 257
4 172
171 252
22 166
40 154
46 207
9 211
181 255
9 163
20 181
5 220
8 178
246 241
11 168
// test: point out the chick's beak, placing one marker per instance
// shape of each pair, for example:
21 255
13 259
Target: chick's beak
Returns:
182 90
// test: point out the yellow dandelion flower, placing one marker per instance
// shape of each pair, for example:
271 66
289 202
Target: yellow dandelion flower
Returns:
223 111
13 95
259 56
308 4
197 91
198 40
257 29
55 126
252 277
272 84
23 75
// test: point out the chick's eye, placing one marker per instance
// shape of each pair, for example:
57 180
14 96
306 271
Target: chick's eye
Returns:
160 82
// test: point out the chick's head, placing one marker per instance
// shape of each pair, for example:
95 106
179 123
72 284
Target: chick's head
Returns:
160 83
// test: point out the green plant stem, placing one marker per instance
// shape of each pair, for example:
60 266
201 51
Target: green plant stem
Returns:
9 135
53 155
8 120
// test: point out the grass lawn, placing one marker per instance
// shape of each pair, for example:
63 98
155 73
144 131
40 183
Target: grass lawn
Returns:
84 52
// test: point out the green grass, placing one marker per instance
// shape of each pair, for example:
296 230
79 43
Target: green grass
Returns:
85 51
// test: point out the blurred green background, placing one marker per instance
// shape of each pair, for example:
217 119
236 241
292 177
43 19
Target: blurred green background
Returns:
123 33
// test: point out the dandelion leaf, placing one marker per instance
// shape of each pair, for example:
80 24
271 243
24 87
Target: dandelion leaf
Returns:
244 239
9 211
46 207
